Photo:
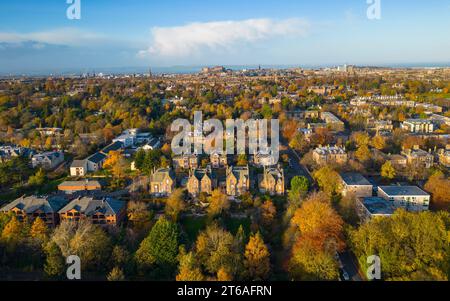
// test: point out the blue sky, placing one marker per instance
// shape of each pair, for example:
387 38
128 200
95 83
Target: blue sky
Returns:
37 35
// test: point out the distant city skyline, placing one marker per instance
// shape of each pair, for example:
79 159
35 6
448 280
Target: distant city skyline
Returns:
37 37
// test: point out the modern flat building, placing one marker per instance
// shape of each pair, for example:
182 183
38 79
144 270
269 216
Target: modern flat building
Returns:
47 160
371 207
356 185
411 198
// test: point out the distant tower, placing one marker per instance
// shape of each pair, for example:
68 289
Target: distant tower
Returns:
150 72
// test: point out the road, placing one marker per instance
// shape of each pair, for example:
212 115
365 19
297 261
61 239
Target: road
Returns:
297 168
350 265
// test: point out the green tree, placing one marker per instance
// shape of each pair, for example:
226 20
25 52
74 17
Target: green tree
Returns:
299 187
189 268
328 180
54 265
160 249
411 246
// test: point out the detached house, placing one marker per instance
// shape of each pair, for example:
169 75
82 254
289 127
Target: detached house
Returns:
48 160
162 182
32 207
201 180
106 211
272 181
238 180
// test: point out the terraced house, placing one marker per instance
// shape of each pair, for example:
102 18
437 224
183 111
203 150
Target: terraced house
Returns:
201 180
238 180
105 211
31 207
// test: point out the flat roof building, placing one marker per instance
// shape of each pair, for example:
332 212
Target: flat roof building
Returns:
411 198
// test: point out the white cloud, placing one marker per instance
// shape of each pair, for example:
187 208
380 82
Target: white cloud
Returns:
181 41
62 36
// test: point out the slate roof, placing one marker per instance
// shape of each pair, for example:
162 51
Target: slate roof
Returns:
32 204
78 163
96 158
112 147
90 206
160 174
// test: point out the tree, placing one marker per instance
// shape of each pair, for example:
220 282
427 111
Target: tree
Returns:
38 179
116 163
388 171
360 139
88 241
218 202
363 153
223 275
160 249
378 142
39 230
328 180
175 204
257 258
217 249
55 265
268 213
299 187
189 268
116 274
139 215
411 246
438 185
139 159
320 224
12 230
309 264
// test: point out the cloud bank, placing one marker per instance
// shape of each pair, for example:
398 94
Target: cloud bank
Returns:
182 41
61 36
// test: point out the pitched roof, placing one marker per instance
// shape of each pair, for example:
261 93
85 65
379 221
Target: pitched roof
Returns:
115 146
32 204
78 163
160 174
96 158
90 206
